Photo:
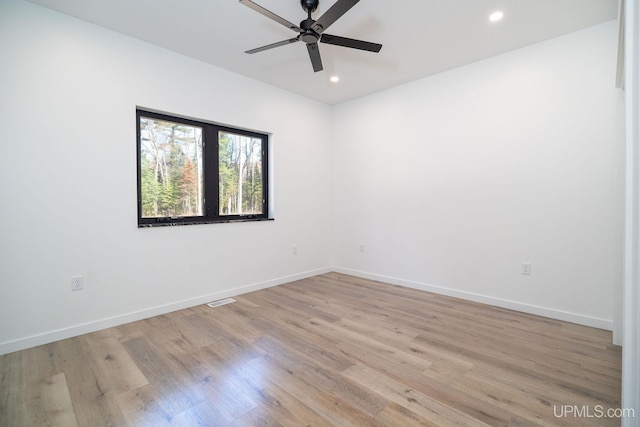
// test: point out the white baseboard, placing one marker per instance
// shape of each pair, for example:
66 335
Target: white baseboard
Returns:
498 302
73 331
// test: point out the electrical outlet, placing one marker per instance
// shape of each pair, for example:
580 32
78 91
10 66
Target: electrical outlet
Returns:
525 268
77 283
361 247
294 249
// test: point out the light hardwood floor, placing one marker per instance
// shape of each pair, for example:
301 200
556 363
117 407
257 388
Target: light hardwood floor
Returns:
331 350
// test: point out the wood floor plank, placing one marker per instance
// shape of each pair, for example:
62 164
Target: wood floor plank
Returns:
168 382
53 405
114 366
521 392
334 410
281 407
417 402
212 383
329 350
91 401
13 407
398 338
231 321
274 403
303 366
259 417
39 368
295 330
205 413
294 305
395 414
494 356
143 407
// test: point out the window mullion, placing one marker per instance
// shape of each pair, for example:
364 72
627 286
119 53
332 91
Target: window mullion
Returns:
211 168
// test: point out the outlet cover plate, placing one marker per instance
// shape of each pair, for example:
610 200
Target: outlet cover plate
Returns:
77 283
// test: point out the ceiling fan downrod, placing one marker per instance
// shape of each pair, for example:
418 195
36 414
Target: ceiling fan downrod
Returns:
309 6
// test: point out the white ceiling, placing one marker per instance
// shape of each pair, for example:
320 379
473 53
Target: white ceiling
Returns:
419 37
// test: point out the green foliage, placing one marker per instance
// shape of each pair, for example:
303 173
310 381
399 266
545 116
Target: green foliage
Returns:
171 169
150 191
172 177
240 173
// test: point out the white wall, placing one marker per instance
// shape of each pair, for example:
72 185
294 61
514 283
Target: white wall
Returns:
631 344
68 93
449 182
452 181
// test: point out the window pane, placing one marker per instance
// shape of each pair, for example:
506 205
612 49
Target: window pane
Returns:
170 169
240 169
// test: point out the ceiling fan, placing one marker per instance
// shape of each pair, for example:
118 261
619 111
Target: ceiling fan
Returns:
312 32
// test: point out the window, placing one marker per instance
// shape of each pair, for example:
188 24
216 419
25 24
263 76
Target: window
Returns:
192 172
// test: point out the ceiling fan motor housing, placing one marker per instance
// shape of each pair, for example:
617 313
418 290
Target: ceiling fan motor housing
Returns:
308 36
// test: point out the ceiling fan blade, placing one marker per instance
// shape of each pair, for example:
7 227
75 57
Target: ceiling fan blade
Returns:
270 15
352 43
272 45
330 16
314 54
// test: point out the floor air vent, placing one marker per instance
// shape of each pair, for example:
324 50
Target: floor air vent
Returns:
221 302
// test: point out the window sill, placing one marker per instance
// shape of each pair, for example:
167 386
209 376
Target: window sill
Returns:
221 221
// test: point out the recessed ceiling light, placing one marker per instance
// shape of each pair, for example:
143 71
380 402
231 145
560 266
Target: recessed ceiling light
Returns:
496 16
334 79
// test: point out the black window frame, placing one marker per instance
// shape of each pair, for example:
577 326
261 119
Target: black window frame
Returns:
210 157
